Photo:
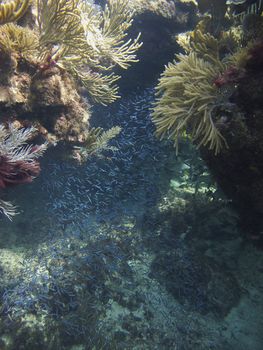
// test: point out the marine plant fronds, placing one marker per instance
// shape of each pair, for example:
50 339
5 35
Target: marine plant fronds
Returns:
101 87
80 37
21 40
97 141
189 102
18 160
109 36
11 11
8 209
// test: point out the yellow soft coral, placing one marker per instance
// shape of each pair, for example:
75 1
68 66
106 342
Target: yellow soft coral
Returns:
87 41
188 101
15 38
193 92
13 10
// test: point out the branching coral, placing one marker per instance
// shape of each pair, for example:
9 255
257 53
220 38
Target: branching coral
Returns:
87 42
96 142
189 101
98 85
109 36
79 37
18 162
21 40
59 24
13 10
204 44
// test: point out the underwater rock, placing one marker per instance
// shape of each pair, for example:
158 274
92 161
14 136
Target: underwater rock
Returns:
239 168
230 128
214 6
197 281
48 99
159 22
56 102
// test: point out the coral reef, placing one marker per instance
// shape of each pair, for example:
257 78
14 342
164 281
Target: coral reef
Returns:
191 100
204 96
55 104
71 47
242 178
135 247
86 41
121 269
19 41
164 8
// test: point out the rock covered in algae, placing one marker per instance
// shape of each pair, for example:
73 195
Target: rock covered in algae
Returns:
49 99
159 21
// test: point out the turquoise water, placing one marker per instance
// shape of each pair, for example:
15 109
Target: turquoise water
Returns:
138 250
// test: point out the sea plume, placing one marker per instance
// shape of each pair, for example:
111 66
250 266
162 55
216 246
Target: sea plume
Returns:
18 160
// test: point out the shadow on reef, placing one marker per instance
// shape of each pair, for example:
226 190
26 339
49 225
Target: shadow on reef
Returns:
158 32
238 169
185 232
196 281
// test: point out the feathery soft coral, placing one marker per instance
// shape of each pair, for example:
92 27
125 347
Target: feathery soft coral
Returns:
18 160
